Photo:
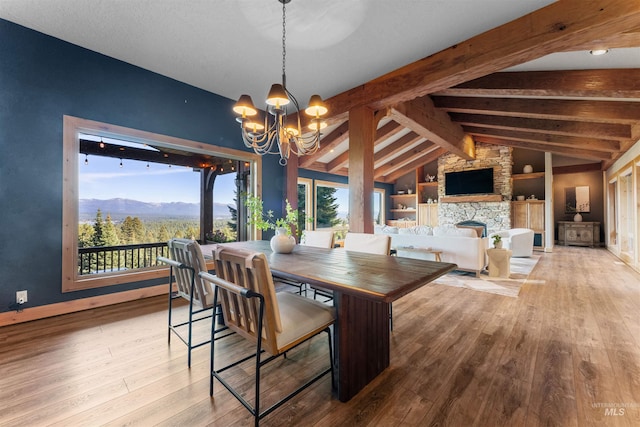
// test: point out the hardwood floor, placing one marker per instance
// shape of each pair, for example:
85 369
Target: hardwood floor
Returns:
566 352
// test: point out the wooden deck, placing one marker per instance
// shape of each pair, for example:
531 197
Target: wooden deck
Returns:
558 355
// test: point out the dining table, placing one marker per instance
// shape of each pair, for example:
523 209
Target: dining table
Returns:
363 287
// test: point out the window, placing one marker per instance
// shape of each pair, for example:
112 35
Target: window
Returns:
331 208
74 127
305 204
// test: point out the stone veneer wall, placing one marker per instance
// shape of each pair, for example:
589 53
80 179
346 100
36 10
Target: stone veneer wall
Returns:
497 215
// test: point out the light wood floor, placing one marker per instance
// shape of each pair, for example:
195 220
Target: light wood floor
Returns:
556 355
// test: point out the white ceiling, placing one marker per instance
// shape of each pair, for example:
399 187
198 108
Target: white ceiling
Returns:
231 47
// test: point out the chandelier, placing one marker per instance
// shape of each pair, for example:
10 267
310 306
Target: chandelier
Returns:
276 135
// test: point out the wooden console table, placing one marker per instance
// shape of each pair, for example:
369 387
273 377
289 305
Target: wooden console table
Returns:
437 255
579 233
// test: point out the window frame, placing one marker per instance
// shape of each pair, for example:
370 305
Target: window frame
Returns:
72 127
324 183
309 200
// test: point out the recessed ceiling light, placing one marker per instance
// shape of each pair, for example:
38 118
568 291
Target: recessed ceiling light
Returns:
597 52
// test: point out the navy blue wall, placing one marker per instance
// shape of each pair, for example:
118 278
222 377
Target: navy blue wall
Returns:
42 79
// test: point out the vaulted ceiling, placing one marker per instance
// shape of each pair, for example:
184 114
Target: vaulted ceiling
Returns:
523 81
443 102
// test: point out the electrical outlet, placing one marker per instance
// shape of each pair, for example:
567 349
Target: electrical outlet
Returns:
21 297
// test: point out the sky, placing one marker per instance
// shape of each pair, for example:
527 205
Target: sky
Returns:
103 178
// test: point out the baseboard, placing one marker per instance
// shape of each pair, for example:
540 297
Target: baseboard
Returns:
43 311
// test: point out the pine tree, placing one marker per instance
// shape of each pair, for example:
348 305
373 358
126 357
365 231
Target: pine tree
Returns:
302 214
138 230
85 235
109 233
233 223
127 232
98 225
163 234
326 207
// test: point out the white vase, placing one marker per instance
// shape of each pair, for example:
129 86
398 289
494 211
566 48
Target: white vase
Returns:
577 217
498 245
282 243
527 169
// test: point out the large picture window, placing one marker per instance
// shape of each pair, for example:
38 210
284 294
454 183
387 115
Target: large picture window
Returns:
81 269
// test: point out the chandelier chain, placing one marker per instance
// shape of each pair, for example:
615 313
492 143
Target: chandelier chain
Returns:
277 136
284 44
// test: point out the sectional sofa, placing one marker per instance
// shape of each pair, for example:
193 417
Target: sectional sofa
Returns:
460 246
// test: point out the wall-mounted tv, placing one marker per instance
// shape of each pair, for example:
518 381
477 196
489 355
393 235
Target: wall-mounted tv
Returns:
475 181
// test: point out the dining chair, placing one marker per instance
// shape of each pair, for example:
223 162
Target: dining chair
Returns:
185 262
274 322
319 239
372 244
316 238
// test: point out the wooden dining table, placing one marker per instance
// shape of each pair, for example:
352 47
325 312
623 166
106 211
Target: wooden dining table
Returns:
363 285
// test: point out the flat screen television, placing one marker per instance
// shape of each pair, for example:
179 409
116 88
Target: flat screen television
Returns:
475 181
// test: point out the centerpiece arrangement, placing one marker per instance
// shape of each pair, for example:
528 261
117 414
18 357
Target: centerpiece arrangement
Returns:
283 242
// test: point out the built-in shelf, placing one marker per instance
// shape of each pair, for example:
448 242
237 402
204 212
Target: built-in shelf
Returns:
400 196
472 198
531 175
428 184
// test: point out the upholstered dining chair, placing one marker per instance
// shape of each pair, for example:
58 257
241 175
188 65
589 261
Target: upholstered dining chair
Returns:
369 243
274 322
185 262
319 239
316 238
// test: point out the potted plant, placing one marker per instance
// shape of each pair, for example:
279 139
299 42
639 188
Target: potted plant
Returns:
497 241
216 236
283 241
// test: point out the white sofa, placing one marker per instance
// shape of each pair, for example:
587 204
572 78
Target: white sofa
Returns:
518 240
460 246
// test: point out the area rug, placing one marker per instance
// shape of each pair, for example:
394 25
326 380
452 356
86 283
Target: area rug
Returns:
520 270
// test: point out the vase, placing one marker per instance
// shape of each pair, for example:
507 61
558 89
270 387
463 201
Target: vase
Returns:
282 243
527 169
498 245
577 217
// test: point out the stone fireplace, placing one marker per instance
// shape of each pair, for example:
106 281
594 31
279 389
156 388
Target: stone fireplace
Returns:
493 210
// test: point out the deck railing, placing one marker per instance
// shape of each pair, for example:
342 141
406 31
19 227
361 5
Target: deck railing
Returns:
105 259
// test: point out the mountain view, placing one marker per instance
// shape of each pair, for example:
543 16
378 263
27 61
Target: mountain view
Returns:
121 208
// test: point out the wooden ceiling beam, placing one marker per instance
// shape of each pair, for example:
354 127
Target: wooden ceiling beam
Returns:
322 167
557 27
587 167
328 143
426 157
386 131
561 140
627 39
339 162
573 152
423 118
395 148
404 159
580 110
611 83
614 131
